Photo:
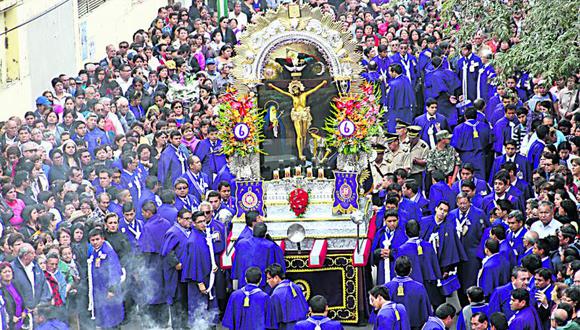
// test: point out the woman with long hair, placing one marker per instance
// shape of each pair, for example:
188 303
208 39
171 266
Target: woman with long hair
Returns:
12 298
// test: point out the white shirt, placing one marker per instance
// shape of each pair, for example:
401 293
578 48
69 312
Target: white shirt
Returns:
548 230
29 273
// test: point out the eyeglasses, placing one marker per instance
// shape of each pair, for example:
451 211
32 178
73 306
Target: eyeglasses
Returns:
206 212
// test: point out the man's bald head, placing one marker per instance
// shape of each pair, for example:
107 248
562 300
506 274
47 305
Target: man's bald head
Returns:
560 317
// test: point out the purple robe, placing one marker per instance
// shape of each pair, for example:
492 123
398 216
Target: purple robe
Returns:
424 266
289 304
197 269
131 182
462 322
502 132
324 322
438 192
523 166
473 223
439 85
400 101
525 319
384 77
151 243
174 251
168 211
132 231
413 296
392 316
188 202
224 175
485 87
468 72
409 66
449 249
471 139
211 158
430 126
535 152
106 277
198 184
172 165
481 188
495 272
385 239
258 252
257 314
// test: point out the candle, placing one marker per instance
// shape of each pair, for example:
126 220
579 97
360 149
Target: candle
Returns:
309 172
276 175
298 171
321 173
287 172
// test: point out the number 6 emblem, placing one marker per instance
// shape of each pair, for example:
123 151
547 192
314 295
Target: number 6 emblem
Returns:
346 128
241 131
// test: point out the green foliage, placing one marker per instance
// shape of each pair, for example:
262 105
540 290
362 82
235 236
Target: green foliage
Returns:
548 44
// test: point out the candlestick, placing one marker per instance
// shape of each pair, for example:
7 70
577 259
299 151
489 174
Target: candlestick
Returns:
321 173
276 175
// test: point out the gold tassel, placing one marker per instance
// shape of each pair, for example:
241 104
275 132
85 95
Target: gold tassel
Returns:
397 315
293 291
247 301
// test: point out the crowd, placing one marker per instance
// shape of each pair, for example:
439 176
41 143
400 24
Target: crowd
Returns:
115 202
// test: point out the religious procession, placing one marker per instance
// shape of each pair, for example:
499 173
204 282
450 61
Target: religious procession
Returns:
300 164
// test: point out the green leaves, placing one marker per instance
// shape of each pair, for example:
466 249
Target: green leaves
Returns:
548 44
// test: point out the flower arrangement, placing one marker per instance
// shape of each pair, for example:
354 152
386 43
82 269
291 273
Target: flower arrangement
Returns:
356 117
299 201
240 124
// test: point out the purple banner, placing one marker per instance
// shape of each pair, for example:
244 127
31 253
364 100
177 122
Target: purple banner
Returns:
249 197
345 192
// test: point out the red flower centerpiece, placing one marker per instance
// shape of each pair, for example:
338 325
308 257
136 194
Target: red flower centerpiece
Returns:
299 201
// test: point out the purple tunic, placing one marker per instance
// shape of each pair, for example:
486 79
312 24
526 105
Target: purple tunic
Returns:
106 277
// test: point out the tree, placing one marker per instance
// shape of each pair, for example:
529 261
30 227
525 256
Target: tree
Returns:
547 44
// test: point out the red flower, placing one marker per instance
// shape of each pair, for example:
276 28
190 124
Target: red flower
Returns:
298 201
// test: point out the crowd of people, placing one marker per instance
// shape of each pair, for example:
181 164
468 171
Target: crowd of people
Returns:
116 203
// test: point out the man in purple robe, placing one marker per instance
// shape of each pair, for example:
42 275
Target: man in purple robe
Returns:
524 168
440 191
503 129
105 294
318 317
198 181
167 209
129 178
252 218
470 224
441 85
182 198
537 147
385 245
408 62
217 231
173 160
148 193
151 243
443 319
209 152
383 62
400 101
256 251
409 293
501 191
525 316
250 307
467 172
130 226
424 263
500 298
389 315
495 270
441 232
468 71
476 305
471 139
287 298
175 253
431 122
199 273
